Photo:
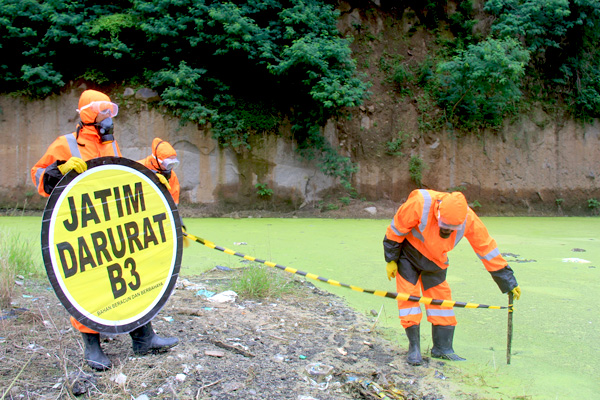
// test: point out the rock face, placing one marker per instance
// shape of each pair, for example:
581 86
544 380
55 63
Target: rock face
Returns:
533 164
207 173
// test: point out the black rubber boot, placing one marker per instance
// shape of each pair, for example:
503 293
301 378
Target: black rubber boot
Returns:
93 353
414 345
144 341
442 343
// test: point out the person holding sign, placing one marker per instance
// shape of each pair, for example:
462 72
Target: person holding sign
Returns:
93 138
425 228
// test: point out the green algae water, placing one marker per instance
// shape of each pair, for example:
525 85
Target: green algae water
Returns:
555 345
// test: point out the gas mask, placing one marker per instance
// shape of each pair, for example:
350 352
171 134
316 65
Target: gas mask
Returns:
165 173
105 130
445 233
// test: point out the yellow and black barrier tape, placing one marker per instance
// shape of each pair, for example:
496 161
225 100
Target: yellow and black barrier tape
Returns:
381 293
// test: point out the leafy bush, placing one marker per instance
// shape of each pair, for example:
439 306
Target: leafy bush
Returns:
394 146
416 166
594 205
481 85
562 37
263 190
187 50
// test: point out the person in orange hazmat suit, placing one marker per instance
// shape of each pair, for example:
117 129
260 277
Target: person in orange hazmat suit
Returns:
92 138
162 161
424 229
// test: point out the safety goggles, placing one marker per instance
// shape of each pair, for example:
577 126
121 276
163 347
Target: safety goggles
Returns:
102 107
444 225
169 163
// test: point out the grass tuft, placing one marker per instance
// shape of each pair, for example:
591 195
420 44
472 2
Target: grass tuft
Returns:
17 257
259 282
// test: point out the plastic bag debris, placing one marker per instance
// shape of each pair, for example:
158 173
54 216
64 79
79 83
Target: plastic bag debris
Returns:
205 293
318 374
227 296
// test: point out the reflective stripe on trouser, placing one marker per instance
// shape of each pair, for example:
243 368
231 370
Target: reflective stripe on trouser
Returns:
81 327
410 311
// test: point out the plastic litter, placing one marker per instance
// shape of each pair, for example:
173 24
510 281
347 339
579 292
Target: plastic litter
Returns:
12 313
222 268
318 375
227 296
205 293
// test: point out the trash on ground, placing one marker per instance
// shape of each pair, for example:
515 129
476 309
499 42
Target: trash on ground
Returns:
205 293
119 379
187 285
240 243
12 313
318 374
439 375
227 296
222 268
371 390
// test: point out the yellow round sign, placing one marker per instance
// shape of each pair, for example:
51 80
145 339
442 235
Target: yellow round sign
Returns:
112 244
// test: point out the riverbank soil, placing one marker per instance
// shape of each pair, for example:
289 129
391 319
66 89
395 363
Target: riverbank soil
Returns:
306 344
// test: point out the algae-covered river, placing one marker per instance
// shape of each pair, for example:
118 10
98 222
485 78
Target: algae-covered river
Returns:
556 340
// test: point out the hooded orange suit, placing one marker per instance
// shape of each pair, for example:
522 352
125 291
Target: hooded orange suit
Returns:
85 144
163 150
413 241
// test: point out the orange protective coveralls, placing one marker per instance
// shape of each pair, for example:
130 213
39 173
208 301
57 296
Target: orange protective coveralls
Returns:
413 241
84 144
163 150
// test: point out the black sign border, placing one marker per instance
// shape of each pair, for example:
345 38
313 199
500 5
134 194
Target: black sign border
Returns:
46 220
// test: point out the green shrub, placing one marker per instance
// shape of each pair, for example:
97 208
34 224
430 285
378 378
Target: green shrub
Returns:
262 190
415 168
394 146
185 50
594 205
475 204
482 84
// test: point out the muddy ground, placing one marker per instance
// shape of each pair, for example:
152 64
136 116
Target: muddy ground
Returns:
274 348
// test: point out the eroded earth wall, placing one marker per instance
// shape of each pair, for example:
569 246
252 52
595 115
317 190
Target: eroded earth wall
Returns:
533 163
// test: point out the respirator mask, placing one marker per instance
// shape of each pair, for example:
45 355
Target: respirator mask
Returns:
105 130
105 127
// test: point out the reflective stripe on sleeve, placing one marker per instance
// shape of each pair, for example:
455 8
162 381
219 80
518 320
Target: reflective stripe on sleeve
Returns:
38 176
490 255
418 235
396 231
114 143
426 208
